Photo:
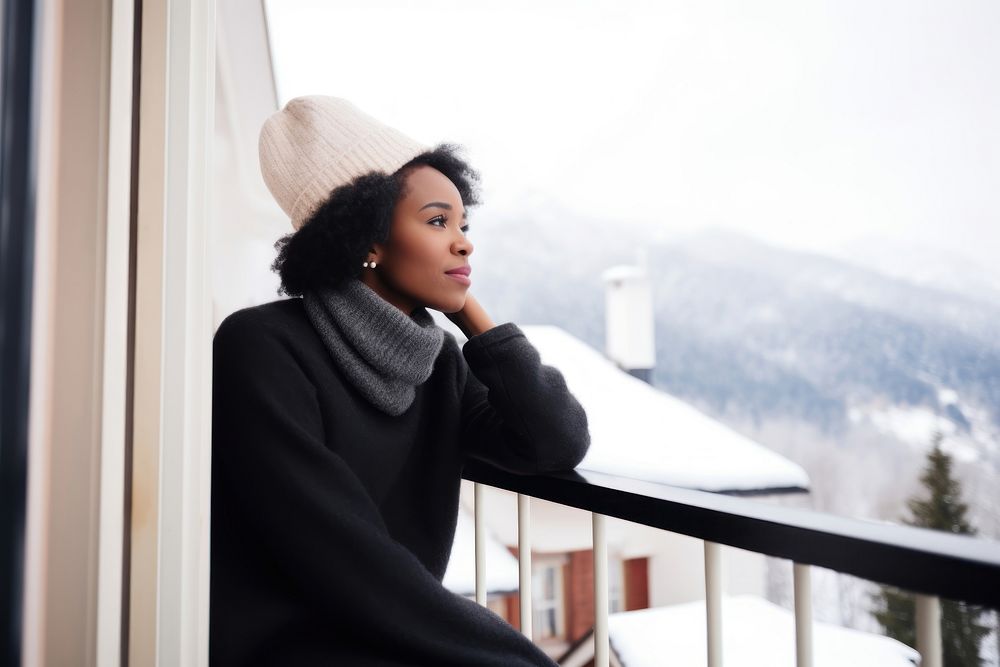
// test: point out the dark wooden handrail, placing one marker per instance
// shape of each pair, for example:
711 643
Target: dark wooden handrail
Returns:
954 567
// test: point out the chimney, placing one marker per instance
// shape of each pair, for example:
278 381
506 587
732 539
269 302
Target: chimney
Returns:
628 317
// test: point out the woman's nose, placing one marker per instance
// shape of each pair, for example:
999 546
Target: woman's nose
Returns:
464 246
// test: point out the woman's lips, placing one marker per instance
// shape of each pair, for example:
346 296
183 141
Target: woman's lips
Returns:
465 280
460 273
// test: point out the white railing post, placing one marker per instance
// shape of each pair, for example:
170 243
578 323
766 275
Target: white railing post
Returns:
477 509
524 560
601 641
803 615
929 630
713 602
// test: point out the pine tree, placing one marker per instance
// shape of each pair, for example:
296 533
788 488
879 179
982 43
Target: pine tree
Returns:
895 610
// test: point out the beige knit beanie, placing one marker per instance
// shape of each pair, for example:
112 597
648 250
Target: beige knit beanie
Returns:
318 143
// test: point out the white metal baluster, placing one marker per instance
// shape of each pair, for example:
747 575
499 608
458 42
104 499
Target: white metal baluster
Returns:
803 615
713 602
524 560
929 630
480 544
601 642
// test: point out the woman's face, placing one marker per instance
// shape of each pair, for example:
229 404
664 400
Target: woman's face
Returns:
426 240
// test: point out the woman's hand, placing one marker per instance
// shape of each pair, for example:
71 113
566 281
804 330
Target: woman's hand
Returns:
472 318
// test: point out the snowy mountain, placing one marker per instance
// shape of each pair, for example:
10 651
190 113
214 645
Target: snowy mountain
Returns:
922 265
753 332
763 331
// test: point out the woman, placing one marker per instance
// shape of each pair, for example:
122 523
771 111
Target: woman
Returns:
342 419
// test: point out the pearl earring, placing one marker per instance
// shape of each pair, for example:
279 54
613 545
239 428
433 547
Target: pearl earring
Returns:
373 265
365 265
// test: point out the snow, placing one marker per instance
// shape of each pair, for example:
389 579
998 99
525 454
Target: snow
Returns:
947 396
624 272
916 425
643 433
755 633
501 566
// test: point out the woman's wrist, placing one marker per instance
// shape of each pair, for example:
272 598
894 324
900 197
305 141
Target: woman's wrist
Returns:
473 318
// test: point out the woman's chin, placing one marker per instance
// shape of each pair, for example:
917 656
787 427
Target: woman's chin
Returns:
449 306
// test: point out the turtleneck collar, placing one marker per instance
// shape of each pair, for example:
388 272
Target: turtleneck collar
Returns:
384 352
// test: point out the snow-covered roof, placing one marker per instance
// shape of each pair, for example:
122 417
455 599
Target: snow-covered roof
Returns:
501 566
755 633
644 433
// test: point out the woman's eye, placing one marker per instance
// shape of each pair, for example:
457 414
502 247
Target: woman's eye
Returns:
443 220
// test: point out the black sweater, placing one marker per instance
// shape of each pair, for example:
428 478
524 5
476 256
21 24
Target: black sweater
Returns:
332 522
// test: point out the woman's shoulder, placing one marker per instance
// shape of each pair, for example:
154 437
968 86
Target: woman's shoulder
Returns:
280 319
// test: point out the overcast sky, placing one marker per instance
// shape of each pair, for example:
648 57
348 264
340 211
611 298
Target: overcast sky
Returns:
807 124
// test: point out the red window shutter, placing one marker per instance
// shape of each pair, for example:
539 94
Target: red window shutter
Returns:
636 583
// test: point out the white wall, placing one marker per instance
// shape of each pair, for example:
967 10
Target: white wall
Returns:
246 220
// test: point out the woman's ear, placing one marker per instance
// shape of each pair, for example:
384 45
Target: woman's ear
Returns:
375 253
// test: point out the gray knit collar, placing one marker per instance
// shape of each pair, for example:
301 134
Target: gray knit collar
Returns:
382 351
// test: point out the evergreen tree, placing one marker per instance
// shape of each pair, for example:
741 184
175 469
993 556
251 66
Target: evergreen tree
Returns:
895 610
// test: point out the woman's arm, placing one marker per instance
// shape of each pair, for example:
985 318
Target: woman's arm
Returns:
472 319
518 413
325 536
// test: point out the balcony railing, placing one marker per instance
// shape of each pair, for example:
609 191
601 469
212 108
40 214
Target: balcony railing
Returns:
931 564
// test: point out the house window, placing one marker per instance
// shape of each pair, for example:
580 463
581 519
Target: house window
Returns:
497 604
547 609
